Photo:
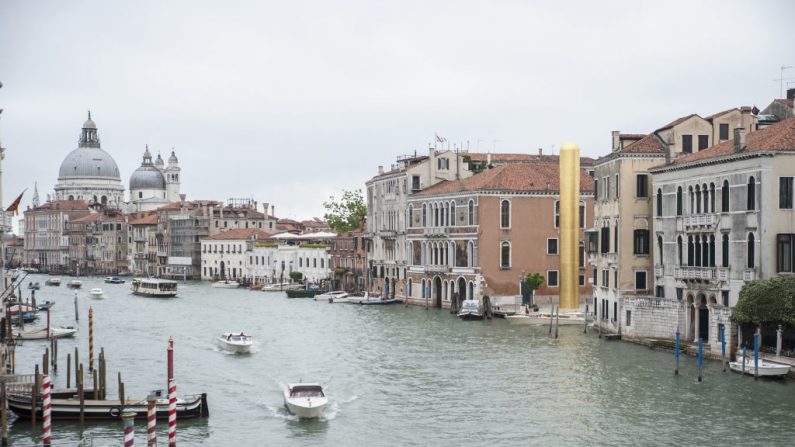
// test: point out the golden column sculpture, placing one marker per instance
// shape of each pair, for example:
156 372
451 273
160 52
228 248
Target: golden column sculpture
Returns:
569 226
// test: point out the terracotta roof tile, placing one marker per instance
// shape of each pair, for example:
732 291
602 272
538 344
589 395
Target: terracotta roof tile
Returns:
513 177
523 158
778 137
239 234
151 219
649 144
93 217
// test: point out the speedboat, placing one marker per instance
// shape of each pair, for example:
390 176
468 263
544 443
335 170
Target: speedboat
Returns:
345 299
470 310
34 285
96 292
114 280
331 296
376 300
74 284
540 319
53 282
305 400
226 284
280 287
41 333
766 368
234 342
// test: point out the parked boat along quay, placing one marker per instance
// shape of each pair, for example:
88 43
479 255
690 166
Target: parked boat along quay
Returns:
396 375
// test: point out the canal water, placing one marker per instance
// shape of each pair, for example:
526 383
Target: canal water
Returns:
399 376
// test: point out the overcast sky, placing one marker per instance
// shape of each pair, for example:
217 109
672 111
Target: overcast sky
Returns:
289 102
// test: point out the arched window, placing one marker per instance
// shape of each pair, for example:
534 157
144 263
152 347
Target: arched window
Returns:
679 201
751 262
505 214
698 199
660 249
711 197
724 251
452 214
712 250
751 193
505 255
424 215
472 255
410 216
705 197
71 197
659 202
690 252
471 212
423 288
724 197
679 250
691 198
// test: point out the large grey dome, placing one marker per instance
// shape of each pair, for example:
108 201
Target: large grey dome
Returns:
147 177
89 162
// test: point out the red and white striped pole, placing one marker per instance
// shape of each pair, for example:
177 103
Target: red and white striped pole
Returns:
129 433
170 362
151 421
46 407
172 414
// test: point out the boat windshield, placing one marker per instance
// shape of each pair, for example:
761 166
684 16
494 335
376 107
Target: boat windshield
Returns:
306 391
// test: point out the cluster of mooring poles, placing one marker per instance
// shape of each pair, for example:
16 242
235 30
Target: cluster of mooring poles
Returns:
724 357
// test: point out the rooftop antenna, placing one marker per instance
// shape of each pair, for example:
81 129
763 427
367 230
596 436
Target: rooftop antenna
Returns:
781 78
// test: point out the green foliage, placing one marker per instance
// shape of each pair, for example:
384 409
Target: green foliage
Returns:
534 280
314 245
346 213
767 302
266 244
296 276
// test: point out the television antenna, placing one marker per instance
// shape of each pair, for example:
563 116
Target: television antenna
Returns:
781 78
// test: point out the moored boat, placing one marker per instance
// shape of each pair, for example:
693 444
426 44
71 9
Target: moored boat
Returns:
96 292
34 285
470 310
330 296
114 280
154 287
235 342
53 282
375 300
41 333
540 319
74 284
766 368
305 400
225 284
280 287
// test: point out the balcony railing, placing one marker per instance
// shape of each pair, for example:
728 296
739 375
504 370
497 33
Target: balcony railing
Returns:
749 275
723 273
701 220
436 231
437 268
686 272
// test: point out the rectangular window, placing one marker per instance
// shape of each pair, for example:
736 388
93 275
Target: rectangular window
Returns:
785 255
552 246
785 186
415 183
582 215
703 142
680 292
615 279
582 256
604 240
659 291
618 188
724 132
642 189
641 242
607 188
725 297
552 278
582 280
629 318
596 189
687 144
605 278
640 280
595 278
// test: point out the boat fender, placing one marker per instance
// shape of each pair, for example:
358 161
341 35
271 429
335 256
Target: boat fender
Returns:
114 412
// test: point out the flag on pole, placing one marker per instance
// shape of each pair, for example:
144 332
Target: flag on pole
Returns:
14 207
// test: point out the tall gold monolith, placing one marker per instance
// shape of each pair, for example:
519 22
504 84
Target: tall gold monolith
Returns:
569 225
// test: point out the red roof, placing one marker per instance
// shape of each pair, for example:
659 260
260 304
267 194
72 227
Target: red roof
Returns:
513 177
93 217
72 205
151 219
649 144
524 158
778 137
239 234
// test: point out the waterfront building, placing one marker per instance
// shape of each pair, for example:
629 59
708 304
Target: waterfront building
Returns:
387 195
272 261
181 227
482 235
241 214
620 248
142 257
46 247
89 173
723 217
224 255
106 243
348 261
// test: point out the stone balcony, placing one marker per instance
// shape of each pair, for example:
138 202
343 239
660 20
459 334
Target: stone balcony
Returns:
749 275
436 232
722 273
701 221
436 269
691 273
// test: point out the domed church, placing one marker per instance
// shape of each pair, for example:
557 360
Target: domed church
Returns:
153 185
89 173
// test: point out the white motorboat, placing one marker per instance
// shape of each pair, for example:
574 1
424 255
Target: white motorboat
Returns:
305 400
346 299
766 368
471 310
226 284
280 287
96 292
41 333
330 296
234 342
53 282
114 280
74 284
154 287
543 318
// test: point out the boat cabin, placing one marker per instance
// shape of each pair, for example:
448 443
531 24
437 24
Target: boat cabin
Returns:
306 391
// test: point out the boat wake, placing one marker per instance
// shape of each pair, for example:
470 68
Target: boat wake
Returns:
280 413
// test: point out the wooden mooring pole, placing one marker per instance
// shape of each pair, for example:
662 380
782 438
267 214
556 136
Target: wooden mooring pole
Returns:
34 393
585 326
676 352
3 416
700 359
557 321
68 371
77 314
81 394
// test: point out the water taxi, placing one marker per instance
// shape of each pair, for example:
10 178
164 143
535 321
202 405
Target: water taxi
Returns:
305 400
154 287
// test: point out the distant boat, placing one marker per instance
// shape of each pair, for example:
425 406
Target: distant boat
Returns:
41 333
114 280
96 292
766 368
368 300
256 287
153 287
471 310
226 284
74 284
34 285
234 342
279 287
305 400
53 282
46 305
331 296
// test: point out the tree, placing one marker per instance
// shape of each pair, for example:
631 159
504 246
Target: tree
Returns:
766 302
296 276
533 282
346 213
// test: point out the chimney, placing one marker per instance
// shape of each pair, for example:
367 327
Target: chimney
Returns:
739 139
380 170
540 151
488 160
273 211
265 206
616 139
